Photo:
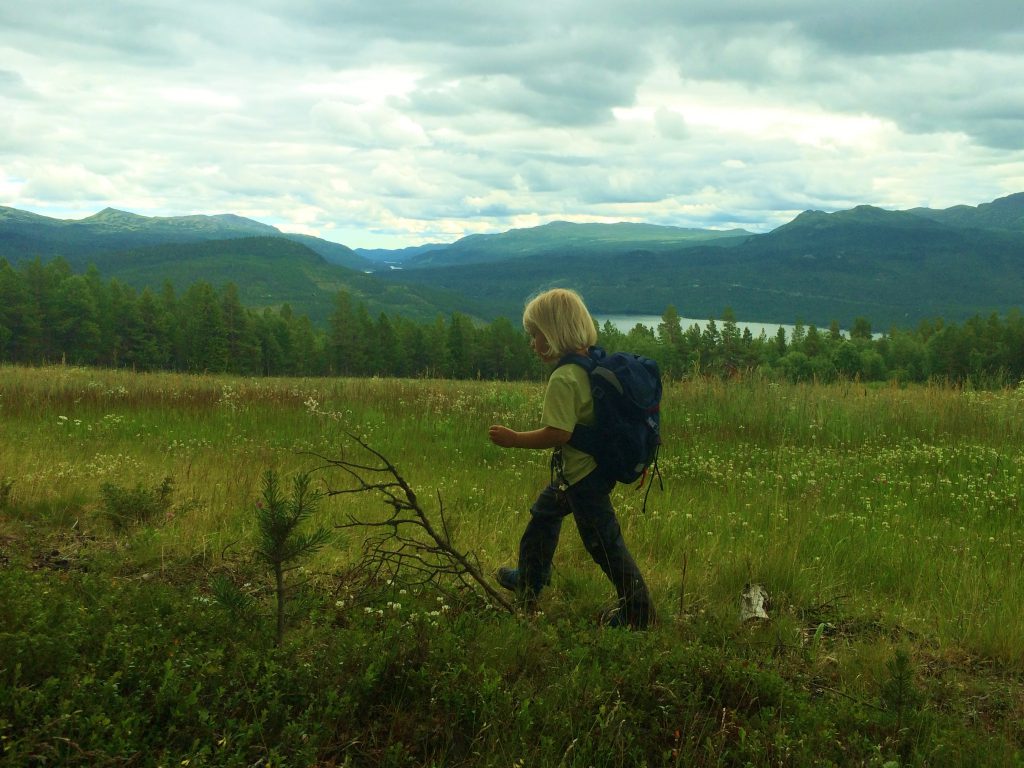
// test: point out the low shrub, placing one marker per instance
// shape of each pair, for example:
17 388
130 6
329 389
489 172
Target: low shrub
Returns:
6 484
127 507
97 671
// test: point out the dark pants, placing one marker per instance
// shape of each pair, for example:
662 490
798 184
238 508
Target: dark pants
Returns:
589 503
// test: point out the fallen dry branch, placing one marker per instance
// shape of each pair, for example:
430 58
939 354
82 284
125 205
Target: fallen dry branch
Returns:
405 547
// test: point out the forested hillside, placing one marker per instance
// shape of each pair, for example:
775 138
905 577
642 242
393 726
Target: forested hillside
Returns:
49 314
896 268
272 272
565 238
25 235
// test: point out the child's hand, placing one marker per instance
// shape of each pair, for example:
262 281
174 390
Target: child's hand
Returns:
502 436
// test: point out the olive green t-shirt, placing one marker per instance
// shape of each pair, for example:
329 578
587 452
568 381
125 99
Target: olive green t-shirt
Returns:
568 402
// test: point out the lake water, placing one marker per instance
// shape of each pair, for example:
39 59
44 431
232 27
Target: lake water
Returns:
626 322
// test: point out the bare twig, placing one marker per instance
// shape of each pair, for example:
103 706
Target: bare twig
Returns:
406 546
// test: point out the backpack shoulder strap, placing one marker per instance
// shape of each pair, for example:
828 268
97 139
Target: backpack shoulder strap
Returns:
587 362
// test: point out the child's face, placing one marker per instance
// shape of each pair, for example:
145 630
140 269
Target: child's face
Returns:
539 342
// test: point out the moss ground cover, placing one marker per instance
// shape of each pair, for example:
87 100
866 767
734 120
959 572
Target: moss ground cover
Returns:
885 524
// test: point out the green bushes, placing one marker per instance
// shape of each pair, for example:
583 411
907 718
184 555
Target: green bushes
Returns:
127 507
6 484
154 674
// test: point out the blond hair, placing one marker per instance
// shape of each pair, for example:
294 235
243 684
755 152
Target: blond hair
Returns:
563 318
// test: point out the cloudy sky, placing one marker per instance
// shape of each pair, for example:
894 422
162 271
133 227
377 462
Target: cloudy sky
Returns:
385 123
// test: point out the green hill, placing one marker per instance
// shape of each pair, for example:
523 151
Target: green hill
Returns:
1004 213
25 235
271 272
896 268
561 237
893 267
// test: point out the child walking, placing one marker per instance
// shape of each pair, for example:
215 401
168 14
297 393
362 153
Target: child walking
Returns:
559 323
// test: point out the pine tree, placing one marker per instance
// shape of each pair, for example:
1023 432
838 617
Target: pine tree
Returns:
281 543
242 347
11 308
459 347
341 336
205 344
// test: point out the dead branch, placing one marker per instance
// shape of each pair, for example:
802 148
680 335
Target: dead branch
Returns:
405 546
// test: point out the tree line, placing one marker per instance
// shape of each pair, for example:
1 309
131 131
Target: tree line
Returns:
50 314
983 351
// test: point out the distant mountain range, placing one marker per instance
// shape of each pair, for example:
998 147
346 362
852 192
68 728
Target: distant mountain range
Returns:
563 237
270 268
28 234
893 267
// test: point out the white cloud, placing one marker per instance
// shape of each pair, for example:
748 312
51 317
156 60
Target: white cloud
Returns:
397 122
201 98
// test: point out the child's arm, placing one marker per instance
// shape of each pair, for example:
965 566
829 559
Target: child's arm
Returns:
545 437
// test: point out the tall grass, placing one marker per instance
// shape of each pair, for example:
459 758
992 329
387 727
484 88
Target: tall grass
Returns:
877 518
904 502
898 504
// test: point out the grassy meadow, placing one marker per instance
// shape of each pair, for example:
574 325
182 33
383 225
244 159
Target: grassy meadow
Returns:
884 524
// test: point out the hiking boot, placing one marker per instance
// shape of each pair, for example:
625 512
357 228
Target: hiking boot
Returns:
508 578
614 618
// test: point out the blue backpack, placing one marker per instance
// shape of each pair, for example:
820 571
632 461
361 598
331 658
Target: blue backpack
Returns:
626 434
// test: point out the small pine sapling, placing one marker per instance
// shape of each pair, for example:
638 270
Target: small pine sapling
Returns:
280 542
5 492
899 693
